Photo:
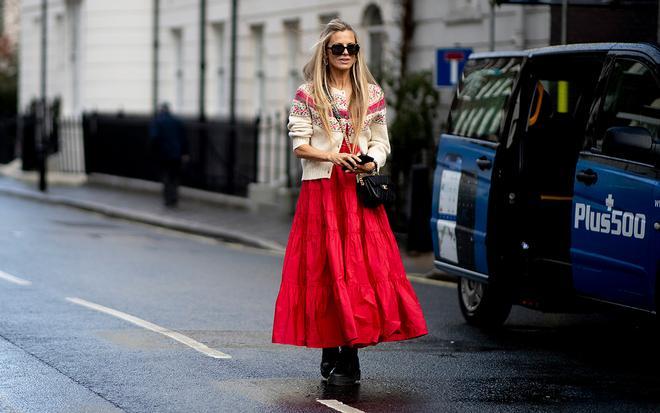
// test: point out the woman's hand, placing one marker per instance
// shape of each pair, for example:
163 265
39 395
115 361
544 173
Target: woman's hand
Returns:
345 160
366 168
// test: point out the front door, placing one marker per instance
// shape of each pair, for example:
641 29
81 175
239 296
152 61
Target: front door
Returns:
464 164
614 241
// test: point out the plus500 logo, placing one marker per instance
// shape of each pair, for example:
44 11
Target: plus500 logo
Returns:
615 222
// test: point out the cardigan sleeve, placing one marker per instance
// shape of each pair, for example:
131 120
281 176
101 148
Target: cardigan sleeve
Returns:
378 146
300 119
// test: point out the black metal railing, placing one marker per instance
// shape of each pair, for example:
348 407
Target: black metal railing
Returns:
119 145
7 139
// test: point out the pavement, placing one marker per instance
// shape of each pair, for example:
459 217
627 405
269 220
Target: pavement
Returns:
228 218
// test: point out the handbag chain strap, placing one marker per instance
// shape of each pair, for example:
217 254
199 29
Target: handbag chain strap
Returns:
337 115
351 146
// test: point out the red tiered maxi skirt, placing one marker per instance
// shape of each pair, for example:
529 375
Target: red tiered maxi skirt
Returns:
343 282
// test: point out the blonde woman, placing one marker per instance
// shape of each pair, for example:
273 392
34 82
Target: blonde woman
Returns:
343 283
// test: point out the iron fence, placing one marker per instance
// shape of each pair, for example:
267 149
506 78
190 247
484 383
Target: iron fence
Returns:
8 128
277 165
220 160
70 155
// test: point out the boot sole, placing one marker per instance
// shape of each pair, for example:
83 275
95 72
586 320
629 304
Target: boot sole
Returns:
343 381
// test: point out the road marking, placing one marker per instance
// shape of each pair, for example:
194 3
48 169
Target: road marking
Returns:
13 279
153 327
339 406
419 278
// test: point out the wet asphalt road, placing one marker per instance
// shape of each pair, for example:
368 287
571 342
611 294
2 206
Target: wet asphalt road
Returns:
56 356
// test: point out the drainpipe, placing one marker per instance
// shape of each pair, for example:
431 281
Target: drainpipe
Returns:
491 41
564 15
522 39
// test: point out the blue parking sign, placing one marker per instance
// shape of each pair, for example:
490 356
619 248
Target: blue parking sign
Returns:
449 65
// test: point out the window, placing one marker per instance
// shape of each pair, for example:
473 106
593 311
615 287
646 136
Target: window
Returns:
479 105
292 30
632 99
73 48
373 21
259 68
464 11
325 18
220 65
177 43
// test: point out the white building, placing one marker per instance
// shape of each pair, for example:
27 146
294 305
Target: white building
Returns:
9 20
100 53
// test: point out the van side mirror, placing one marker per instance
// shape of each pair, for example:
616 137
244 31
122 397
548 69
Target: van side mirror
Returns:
631 142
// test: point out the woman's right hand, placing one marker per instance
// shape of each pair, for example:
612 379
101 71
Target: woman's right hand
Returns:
345 160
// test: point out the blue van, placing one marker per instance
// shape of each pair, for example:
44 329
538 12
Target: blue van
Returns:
546 187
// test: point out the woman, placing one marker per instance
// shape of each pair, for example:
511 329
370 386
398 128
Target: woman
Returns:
343 283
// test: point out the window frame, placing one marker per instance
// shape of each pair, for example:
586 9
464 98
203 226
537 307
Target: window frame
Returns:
593 143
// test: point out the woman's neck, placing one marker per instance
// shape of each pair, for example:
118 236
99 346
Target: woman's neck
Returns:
340 79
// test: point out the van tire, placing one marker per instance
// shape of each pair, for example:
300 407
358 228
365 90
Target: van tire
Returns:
483 305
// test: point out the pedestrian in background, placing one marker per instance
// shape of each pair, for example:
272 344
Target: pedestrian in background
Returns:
168 139
343 283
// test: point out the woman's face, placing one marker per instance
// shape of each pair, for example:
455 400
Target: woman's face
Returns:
343 61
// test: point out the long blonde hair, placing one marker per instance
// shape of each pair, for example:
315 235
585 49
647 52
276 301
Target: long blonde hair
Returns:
316 71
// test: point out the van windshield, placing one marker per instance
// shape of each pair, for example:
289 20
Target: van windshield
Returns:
481 97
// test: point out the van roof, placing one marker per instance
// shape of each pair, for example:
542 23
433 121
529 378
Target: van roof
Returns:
650 49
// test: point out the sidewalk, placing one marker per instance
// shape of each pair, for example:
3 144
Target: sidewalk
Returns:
224 217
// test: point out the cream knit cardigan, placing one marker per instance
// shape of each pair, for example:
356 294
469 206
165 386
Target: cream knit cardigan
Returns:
305 127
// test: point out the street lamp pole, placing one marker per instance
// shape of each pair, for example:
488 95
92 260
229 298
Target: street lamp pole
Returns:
155 57
202 60
42 108
233 136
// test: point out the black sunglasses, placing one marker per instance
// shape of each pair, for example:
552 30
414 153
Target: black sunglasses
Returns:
338 49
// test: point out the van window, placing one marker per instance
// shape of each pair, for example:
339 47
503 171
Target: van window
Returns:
479 105
632 99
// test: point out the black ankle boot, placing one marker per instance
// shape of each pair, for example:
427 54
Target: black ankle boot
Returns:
328 360
347 371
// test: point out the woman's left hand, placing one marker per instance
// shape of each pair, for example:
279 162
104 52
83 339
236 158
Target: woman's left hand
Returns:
366 168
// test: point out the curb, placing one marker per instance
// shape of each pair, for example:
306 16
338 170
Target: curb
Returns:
181 225
185 192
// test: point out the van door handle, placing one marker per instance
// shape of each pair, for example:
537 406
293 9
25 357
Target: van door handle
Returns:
587 176
484 163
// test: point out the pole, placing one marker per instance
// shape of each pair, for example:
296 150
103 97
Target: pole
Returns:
658 24
564 15
202 60
233 136
41 134
156 47
232 65
491 42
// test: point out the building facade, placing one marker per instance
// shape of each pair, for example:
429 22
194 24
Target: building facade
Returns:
101 54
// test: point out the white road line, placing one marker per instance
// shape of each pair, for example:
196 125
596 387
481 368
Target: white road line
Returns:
418 278
339 406
13 279
153 327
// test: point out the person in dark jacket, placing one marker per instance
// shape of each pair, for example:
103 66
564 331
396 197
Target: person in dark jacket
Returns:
168 139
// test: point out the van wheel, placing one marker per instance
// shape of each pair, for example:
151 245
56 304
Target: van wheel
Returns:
483 305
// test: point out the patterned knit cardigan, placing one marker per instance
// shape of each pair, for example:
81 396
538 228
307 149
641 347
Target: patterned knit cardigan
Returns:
305 127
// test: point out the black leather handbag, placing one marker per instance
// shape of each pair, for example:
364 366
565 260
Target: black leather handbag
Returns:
374 189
